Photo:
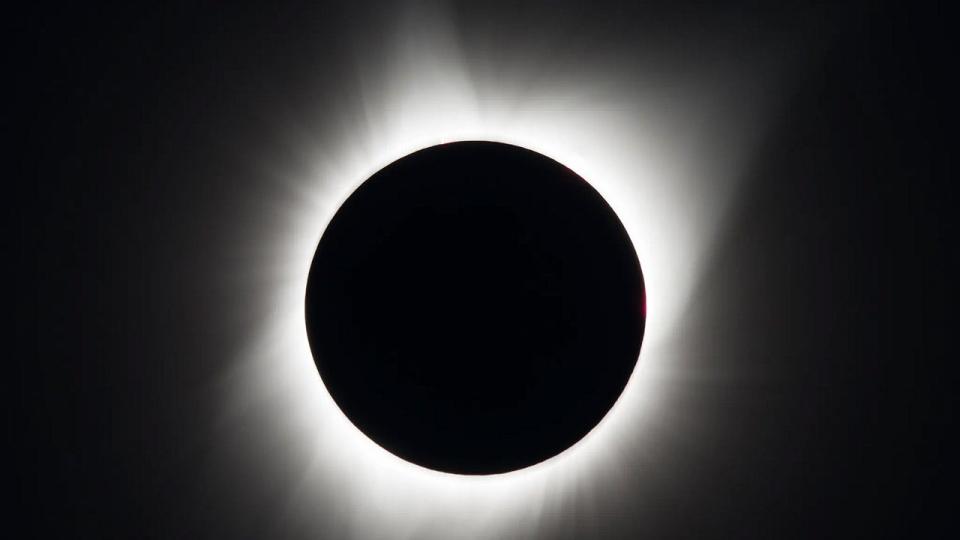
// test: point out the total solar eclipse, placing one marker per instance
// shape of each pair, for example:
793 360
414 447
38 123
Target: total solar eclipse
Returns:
475 307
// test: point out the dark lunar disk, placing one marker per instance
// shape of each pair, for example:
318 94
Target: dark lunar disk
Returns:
475 307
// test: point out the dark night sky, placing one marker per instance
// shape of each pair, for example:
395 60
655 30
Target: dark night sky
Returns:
816 405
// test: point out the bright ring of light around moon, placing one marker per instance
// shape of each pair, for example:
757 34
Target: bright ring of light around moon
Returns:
666 162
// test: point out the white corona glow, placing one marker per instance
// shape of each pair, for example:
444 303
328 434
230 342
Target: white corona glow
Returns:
658 152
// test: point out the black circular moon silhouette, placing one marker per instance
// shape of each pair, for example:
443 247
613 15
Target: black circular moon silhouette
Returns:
475 307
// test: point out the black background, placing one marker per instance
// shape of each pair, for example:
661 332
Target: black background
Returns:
824 303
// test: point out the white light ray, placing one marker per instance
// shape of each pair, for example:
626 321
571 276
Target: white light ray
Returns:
649 149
